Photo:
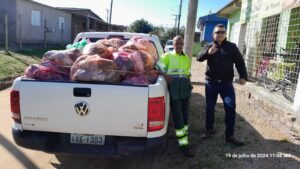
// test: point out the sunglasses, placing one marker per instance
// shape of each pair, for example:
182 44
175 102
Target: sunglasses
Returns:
220 32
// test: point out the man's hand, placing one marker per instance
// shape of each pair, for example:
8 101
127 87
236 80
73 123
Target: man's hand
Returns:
242 82
168 79
213 49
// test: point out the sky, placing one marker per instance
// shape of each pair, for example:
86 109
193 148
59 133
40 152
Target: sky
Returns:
157 12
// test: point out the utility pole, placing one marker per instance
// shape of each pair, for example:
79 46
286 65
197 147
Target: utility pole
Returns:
111 6
107 18
180 6
175 21
190 27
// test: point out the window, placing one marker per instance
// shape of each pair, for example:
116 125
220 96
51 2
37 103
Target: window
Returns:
61 22
35 18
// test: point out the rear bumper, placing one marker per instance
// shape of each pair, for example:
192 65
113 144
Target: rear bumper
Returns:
59 143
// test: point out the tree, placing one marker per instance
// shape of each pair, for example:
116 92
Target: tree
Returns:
170 33
158 31
141 26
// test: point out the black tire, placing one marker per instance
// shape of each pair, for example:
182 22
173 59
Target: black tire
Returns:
270 84
267 83
260 79
288 90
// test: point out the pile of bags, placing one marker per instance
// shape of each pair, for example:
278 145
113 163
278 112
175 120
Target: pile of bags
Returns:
107 60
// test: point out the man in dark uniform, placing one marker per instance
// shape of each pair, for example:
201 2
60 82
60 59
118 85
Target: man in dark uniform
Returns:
221 55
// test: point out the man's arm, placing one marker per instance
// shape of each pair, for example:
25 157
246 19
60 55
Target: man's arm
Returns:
203 55
240 63
206 53
161 67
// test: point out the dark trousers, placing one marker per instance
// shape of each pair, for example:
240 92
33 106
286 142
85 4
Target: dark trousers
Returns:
226 90
180 111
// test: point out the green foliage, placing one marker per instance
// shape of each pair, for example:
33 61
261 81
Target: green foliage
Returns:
196 48
164 34
13 64
141 26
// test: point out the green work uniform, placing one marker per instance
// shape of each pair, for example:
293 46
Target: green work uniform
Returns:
178 67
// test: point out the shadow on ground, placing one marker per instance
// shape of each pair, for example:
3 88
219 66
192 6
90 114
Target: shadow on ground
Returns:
210 153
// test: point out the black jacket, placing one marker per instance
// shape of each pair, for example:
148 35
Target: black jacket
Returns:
220 64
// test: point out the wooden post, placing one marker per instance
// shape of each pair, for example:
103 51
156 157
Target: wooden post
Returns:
20 38
6 32
62 34
45 33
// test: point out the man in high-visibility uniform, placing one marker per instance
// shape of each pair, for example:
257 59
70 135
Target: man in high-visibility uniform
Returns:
177 69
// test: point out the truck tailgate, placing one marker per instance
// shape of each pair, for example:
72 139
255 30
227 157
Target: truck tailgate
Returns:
67 108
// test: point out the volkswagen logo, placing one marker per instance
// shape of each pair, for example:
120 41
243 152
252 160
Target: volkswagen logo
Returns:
82 108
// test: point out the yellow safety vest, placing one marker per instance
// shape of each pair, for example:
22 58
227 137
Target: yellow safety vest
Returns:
175 65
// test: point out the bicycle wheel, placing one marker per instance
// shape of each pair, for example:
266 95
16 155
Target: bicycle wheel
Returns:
260 79
288 89
268 83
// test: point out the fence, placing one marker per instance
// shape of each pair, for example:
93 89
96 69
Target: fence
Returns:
273 52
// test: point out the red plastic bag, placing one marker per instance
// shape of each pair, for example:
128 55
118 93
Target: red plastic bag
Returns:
95 68
97 49
46 71
62 57
136 80
138 43
123 62
142 61
151 76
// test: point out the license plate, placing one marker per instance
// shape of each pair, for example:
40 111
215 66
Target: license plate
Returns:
87 139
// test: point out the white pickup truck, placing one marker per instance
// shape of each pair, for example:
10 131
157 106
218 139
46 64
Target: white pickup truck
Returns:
91 118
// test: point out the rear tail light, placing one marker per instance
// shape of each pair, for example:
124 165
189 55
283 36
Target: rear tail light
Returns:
15 106
156 113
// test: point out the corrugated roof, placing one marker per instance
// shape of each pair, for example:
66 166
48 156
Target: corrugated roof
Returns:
231 7
82 12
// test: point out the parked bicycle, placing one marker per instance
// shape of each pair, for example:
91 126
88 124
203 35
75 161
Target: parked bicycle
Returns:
275 75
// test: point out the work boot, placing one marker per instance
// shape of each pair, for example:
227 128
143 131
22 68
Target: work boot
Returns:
234 141
187 151
208 133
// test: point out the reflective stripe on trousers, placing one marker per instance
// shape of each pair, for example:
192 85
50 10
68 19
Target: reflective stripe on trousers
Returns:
182 136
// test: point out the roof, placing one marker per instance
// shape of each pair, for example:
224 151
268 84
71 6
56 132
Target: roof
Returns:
210 18
231 7
82 12
32 1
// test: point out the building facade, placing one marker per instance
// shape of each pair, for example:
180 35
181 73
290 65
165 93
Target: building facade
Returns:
32 23
268 34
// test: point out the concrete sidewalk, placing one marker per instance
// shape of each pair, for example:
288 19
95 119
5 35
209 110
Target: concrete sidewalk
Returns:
285 114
